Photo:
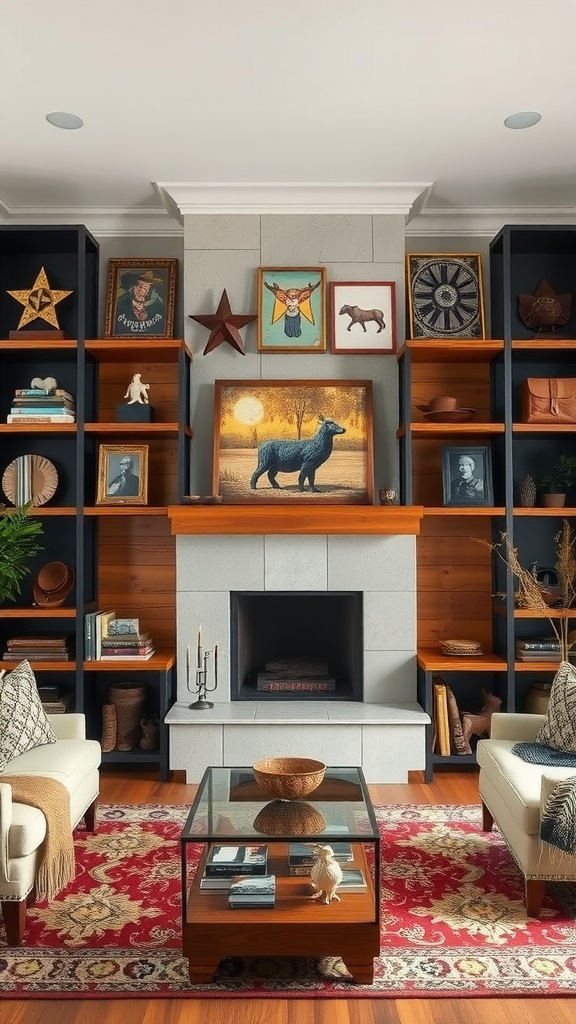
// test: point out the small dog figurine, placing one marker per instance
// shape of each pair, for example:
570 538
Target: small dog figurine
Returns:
326 875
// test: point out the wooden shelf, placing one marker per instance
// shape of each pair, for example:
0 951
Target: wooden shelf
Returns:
544 345
434 661
45 666
135 429
52 510
467 511
551 613
431 350
536 666
450 430
544 428
161 661
130 350
561 511
36 345
295 519
125 510
37 613
38 428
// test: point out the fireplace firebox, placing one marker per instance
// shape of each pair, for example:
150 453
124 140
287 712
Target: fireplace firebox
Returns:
296 646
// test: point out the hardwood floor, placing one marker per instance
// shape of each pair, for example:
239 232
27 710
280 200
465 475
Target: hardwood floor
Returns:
448 787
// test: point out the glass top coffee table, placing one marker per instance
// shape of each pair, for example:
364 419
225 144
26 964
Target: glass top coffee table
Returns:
231 808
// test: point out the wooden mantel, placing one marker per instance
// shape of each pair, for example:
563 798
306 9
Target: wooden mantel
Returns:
295 519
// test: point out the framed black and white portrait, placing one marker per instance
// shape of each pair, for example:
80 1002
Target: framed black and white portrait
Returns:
467 476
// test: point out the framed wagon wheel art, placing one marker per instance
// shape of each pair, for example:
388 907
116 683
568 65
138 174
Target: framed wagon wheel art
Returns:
445 296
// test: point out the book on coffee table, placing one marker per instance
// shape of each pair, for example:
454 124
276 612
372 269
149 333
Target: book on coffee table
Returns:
244 859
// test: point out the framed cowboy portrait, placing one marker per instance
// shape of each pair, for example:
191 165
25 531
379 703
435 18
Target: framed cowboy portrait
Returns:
122 474
291 309
140 298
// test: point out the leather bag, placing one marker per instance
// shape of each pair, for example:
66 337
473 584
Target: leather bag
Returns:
548 400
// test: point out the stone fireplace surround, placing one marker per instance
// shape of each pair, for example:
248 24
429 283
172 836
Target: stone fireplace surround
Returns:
385 733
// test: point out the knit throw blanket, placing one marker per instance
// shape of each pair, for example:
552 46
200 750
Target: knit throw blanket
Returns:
558 824
57 866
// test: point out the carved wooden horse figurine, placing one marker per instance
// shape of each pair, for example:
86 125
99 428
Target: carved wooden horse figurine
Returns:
479 724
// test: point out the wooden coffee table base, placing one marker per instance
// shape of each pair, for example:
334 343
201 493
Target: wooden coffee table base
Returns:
296 926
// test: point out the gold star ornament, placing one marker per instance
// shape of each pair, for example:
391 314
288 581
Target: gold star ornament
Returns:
39 301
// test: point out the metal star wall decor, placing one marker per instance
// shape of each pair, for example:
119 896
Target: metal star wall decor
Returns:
224 326
39 301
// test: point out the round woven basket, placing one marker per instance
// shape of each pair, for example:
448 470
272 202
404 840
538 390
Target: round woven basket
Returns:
289 817
289 777
461 648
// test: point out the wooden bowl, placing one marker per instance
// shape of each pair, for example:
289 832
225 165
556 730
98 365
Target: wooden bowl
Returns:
289 778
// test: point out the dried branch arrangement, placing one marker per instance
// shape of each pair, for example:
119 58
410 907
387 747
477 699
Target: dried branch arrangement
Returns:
532 594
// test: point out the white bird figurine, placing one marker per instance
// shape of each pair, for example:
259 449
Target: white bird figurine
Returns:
137 391
326 875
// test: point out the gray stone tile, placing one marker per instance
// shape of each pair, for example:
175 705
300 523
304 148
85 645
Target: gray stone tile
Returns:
389 621
302 240
389 676
295 563
217 231
207 563
372 563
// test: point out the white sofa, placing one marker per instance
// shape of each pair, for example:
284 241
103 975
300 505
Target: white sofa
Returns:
514 793
73 760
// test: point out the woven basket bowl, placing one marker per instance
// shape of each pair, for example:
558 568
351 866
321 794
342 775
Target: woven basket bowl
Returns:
460 647
289 778
282 817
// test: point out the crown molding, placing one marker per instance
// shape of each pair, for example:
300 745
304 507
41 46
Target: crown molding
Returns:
483 222
291 197
102 222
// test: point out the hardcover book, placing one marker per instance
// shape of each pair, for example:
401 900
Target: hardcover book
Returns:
235 860
253 892
303 853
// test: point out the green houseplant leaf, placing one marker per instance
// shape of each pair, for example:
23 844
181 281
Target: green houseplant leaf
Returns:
562 476
18 545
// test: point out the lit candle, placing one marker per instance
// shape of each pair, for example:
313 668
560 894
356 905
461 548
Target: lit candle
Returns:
199 646
215 663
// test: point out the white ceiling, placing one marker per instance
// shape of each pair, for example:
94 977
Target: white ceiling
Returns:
303 91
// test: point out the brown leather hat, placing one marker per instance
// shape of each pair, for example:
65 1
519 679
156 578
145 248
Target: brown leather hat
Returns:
53 584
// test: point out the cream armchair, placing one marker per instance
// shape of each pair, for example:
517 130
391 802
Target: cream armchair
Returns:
74 761
513 794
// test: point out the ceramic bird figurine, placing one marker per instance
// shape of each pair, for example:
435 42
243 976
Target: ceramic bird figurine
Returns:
326 875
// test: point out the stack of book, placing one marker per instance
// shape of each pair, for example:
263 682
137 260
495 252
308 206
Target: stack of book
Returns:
224 864
539 649
253 892
448 734
54 700
103 642
42 405
135 646
39 648
301 856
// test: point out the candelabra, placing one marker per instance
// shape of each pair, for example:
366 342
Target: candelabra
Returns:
201 687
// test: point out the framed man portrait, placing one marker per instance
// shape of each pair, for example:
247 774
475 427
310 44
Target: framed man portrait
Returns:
291 309
140 298
122 474
467 476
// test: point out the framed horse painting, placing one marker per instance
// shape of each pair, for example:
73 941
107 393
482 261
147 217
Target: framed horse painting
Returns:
363 317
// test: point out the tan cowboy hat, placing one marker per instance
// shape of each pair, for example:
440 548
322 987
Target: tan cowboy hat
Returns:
129 277
53 584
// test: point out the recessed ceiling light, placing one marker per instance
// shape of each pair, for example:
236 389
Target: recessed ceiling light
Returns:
523 119
62 119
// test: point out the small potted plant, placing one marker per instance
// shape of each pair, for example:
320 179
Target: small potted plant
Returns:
559 481
18 545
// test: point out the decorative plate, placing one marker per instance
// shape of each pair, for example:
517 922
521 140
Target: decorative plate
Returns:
30 478
445 296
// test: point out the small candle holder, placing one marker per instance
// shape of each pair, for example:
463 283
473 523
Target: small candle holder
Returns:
201 688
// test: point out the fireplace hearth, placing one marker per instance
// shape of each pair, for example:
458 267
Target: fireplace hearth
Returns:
296 646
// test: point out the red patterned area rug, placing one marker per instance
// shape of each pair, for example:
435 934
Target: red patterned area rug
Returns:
453 921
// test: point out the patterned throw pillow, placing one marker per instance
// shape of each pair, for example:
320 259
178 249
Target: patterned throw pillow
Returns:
559 729
23 722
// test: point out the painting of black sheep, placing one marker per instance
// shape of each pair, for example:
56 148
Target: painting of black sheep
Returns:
293 441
